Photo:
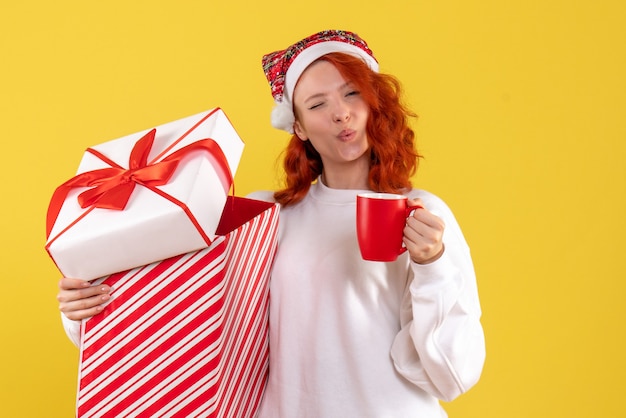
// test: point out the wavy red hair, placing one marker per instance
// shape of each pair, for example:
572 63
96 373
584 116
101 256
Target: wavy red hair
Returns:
393 156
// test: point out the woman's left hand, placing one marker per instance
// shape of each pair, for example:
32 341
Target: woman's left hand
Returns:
423 235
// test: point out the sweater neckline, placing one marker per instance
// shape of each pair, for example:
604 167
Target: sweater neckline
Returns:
321 192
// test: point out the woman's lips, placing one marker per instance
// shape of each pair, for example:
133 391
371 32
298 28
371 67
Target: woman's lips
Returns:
346 134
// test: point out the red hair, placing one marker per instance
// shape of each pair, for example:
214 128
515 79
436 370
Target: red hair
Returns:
393 157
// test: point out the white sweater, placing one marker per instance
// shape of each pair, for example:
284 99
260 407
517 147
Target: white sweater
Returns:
355 338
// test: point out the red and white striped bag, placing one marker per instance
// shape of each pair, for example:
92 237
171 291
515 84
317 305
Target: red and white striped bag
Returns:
187 336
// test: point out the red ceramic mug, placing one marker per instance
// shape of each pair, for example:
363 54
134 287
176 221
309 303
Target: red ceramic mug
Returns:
380 221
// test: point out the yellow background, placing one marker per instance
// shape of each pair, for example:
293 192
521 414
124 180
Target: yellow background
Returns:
521 108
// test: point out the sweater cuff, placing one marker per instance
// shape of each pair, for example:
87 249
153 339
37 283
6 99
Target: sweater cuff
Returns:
433 277
72 329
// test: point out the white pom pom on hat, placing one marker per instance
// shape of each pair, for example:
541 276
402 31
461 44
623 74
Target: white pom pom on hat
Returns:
283 68
282 116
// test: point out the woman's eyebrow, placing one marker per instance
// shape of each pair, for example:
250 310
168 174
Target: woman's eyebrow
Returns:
314 97
323 94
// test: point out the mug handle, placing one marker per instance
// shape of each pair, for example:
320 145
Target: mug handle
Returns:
409 209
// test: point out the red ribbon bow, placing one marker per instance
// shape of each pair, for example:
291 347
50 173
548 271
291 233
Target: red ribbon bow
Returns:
115 185
112 187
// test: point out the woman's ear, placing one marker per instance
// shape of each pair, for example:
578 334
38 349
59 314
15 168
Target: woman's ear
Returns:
297 129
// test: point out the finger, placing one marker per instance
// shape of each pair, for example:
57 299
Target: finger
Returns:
74 294
417 243
423 241
421 250
416 203
67 283
428 219
426 228
85 307
83 314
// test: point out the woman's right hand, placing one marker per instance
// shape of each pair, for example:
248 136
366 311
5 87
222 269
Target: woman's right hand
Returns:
79 299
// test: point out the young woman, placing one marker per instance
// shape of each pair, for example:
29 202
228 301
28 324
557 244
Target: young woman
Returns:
349 337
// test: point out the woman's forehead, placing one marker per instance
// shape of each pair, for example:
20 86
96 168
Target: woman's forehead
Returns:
321 77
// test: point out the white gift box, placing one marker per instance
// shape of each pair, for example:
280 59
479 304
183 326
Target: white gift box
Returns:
158 221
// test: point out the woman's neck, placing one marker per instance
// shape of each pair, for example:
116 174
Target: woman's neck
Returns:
349 176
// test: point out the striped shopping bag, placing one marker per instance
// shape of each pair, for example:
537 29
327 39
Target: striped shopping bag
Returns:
187 336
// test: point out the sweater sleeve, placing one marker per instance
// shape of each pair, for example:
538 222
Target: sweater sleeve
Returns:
72 329
440 347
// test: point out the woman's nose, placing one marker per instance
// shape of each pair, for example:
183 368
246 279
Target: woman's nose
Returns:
341 114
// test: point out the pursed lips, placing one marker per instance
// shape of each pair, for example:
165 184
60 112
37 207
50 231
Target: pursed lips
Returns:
346 134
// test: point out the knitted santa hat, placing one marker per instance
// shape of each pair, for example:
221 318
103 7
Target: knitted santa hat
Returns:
283 68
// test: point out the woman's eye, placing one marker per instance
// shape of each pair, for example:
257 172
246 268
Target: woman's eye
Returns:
352 93
315 106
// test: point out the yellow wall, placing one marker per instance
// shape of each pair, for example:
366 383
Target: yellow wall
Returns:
521 108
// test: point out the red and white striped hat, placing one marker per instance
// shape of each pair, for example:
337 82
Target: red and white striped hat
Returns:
283 68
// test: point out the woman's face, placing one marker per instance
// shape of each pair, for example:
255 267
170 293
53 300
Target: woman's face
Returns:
331 113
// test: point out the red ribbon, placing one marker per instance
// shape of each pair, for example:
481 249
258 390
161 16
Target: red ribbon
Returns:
112 187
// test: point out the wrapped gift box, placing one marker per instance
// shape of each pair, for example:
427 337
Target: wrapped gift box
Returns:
171 182
187 336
